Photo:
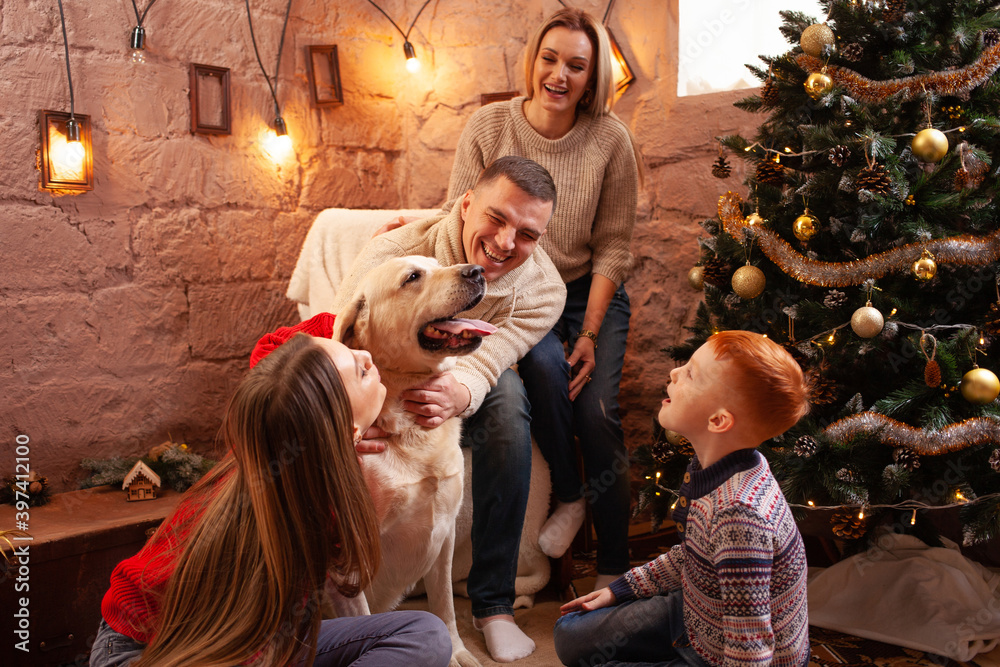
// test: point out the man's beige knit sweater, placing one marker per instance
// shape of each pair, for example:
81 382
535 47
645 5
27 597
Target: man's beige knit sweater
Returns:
524 303
596 178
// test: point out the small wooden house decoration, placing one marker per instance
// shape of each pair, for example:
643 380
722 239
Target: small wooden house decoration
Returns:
140 482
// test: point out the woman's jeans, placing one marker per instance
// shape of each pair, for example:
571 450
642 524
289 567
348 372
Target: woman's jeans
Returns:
592 418
639 633
393 639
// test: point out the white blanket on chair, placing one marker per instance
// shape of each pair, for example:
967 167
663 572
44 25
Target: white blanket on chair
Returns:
334 240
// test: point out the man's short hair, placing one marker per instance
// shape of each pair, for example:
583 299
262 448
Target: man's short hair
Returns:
529 176
767 378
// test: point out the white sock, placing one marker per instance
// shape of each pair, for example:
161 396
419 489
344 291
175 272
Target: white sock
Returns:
604 580
504 640
558 532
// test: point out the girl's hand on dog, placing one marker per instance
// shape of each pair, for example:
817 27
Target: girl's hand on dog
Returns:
596 600
372 442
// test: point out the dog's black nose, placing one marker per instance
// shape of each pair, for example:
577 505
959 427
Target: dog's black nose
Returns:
472 271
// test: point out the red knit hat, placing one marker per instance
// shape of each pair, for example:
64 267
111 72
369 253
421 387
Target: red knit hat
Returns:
320 325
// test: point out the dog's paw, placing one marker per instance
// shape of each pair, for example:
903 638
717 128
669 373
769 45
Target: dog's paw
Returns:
462 658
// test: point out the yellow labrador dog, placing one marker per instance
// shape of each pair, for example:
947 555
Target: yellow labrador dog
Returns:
403 312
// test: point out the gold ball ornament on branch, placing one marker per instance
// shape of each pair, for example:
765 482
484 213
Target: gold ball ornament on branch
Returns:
929 145
925 268
980 386
696 278
748 282
816 39
805 226
867 321
818 84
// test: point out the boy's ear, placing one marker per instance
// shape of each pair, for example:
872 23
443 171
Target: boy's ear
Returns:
720 421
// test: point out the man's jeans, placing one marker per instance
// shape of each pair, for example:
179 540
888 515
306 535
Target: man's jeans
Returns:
499 434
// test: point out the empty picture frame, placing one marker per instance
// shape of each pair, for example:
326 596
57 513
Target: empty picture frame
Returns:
210 100
324 75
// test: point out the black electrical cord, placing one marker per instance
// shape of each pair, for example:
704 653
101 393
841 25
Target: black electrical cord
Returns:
277 67
406 35
140 19
69 77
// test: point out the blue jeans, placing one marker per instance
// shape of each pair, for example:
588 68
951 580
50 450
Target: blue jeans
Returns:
393 639
592 418
499 434
639 633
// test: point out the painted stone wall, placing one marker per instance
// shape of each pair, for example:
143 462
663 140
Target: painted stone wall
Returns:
128 312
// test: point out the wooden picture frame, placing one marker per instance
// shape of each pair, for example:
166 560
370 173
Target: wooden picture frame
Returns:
324 75
210 100
489 98
64 172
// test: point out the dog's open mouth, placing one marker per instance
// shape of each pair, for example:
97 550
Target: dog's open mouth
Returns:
454 334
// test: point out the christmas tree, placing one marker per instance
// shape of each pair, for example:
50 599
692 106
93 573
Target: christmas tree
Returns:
869 248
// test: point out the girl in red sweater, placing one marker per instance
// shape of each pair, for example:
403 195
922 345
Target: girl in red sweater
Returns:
236 574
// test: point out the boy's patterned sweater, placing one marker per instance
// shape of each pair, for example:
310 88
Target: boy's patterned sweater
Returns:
741 566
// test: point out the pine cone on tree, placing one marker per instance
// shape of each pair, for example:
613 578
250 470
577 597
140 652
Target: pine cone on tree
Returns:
661 451
839 155
995 460
717 272
721 168
769 95
805 446
893 11
906 457
845 475
847 525
822 390
852 52
771 172
834 299
990 37
875 179
971 175
992 323
932 373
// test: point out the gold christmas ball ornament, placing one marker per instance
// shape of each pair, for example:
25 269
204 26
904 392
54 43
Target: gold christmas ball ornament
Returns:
748 282
925 268
867 321
816 38
754 219
929 145
696 278
980 386
818 84
805 226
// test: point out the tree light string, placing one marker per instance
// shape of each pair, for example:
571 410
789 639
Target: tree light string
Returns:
964 250
949 82
903 505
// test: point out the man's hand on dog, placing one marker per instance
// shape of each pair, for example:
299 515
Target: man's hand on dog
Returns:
437 400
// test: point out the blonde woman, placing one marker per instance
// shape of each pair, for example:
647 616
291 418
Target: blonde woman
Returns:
565 124
234 575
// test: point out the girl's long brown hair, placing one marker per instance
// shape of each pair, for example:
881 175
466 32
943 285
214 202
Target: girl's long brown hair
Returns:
269 521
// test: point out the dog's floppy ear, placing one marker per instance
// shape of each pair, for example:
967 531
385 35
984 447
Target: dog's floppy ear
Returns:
347 322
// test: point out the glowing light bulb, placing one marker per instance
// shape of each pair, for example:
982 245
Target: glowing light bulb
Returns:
810 503
137 42
913 518
861 515
412 64
75 151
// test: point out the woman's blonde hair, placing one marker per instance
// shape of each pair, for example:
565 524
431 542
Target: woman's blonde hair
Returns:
600 95
266 524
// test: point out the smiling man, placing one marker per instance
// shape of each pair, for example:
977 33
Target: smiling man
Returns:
496 225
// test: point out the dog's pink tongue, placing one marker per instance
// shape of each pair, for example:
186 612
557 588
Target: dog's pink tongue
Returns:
457 326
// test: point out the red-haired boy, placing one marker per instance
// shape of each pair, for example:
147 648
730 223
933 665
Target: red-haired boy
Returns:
733 592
